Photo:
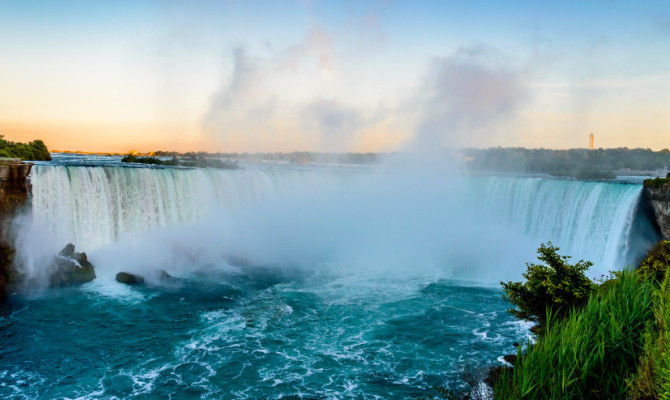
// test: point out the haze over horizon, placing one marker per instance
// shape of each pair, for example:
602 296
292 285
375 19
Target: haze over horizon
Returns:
334 76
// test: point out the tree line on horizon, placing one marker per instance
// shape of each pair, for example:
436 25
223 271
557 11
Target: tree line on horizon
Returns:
578 163
32 151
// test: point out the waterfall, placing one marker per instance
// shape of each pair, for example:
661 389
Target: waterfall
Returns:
94 206
589 220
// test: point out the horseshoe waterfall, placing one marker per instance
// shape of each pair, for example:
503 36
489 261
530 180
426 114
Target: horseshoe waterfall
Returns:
288 281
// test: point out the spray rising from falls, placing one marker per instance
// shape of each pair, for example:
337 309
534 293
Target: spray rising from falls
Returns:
277 215
94 206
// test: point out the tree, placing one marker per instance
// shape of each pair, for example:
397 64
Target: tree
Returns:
553 286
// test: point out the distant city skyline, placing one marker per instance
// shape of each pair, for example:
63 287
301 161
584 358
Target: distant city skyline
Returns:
325 76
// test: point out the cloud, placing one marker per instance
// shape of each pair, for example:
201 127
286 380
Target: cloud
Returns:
336 123
245 75
465 96
317 44
284 100
295 99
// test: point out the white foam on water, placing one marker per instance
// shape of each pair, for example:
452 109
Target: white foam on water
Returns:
386 221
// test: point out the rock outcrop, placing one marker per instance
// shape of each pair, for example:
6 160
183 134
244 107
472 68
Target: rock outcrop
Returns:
657 194
71 268
129 279
14 192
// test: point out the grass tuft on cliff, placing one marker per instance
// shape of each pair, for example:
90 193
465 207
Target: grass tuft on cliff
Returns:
33 151
616 347
652 380
590 353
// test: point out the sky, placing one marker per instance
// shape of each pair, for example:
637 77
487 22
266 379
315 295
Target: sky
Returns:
334 76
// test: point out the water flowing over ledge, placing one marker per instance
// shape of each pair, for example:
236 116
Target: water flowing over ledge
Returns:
93 206
597 221
371 321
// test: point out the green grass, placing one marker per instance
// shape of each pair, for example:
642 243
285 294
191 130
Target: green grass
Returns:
590 353
652 380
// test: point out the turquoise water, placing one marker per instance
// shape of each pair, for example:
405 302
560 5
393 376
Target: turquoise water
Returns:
362 293
253 334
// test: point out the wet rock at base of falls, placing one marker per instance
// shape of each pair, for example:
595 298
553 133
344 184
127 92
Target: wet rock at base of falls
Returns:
68 251
129 279
163 276
70 268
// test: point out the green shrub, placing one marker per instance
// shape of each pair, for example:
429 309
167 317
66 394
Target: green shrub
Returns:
130 158
656 262
590 353
553 286
34 151
656 182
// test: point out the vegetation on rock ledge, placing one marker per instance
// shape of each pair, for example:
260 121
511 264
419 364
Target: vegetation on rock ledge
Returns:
577 163
552 287
33 151
616 346
657 182
191 160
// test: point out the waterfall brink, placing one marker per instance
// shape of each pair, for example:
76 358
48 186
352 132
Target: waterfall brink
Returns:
93 206
589 220
597 221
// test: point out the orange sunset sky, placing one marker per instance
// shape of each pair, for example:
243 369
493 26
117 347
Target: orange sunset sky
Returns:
368 76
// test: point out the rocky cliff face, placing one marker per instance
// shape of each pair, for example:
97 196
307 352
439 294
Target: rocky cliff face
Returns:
657 194
14 192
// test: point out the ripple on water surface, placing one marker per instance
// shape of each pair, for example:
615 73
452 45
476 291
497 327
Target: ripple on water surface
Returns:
296 336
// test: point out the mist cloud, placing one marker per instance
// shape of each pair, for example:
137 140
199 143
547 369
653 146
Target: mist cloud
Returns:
465 96
283 98
334 122
293 99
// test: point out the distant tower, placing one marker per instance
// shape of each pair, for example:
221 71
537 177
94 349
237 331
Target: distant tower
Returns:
591 141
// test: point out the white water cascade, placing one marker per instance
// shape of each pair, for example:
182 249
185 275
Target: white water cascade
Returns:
95 206
589 220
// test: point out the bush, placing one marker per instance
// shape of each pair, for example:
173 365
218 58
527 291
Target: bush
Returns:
656 182
143 160
34 151
590 353
654 265
554 286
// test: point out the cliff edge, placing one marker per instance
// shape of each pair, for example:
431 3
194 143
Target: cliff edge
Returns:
14 192
657 194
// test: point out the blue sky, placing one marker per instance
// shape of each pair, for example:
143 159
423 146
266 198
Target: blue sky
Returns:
334 76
